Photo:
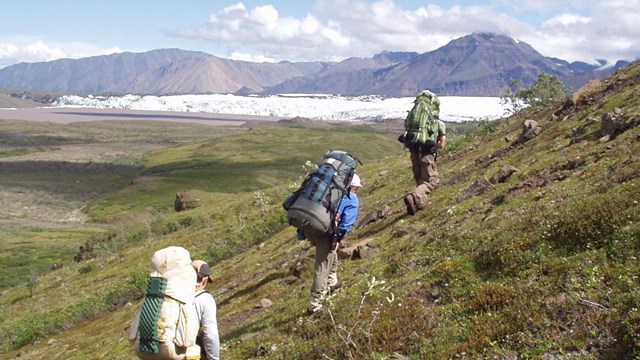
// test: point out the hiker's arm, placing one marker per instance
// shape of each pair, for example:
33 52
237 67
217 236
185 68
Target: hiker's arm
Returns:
441 141
349 215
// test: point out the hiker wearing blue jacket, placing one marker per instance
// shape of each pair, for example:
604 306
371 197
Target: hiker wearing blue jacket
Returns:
325 277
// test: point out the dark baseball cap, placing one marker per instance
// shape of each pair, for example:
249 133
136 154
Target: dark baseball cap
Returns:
202 268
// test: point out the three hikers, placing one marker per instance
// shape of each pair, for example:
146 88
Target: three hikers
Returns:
323 209
208 338
325 277
424 134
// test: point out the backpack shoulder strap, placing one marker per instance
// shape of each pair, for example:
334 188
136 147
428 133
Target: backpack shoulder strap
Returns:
200 292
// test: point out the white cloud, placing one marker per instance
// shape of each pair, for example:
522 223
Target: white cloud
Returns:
266 16
277 37
344 28
333 30
251 58
609 32
565 21
16 50
11 53
336 29
310 24
385 26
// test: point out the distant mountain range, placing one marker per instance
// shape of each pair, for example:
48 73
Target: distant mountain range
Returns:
479 64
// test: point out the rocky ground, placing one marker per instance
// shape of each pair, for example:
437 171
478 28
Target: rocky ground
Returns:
8 101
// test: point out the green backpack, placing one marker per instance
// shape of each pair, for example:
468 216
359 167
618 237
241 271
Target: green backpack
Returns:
421 124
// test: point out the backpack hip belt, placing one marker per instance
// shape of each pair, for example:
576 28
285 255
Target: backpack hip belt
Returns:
430 148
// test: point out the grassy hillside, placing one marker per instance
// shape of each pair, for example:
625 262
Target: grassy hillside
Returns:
50 173
260 158
219 171
543 264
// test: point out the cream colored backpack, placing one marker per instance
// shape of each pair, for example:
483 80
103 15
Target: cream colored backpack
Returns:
166 325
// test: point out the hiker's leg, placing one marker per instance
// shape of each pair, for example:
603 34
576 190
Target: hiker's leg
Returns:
432 170
333 270
416 166
323 264
428 180
411 199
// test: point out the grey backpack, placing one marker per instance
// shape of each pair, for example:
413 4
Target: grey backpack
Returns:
312 208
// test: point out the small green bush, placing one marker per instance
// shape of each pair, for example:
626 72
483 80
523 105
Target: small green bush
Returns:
546 89
492 297
87 268
486 126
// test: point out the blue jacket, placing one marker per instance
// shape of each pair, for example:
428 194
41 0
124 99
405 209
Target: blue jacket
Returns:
348 212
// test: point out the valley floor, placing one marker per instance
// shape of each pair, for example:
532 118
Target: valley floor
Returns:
71 115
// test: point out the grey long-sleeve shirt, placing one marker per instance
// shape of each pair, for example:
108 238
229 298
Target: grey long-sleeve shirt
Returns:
206 308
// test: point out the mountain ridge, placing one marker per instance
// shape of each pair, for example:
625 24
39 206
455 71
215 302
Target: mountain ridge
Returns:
479 64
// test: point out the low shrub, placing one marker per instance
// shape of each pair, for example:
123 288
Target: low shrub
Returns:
491 297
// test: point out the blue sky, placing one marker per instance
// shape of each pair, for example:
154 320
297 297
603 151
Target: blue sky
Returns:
328 30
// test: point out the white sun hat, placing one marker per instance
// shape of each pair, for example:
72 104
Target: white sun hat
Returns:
356 181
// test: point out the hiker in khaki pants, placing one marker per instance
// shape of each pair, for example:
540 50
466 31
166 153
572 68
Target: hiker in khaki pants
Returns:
425 173
425 134
325 277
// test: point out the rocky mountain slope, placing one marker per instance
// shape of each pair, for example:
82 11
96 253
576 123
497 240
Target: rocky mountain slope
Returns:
479 64
165 71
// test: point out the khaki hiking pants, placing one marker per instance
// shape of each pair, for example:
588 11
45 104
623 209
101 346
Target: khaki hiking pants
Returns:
425 173
325 271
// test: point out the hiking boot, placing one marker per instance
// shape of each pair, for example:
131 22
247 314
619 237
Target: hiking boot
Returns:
312 310
335 287
420 207
410 201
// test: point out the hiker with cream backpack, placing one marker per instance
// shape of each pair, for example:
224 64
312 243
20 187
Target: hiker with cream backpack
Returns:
165 327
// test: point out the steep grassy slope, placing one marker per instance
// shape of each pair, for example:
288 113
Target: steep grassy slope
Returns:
541 265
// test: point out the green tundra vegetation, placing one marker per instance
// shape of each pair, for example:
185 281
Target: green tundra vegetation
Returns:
539 264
